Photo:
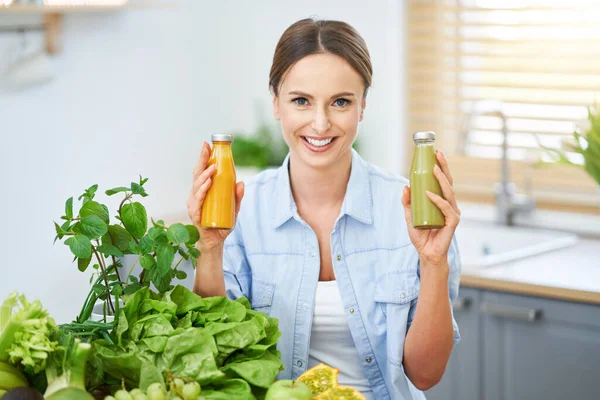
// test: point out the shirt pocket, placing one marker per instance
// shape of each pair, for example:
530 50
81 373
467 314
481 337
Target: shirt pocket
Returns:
262 295
394 292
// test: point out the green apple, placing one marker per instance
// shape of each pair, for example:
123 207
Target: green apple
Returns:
287 389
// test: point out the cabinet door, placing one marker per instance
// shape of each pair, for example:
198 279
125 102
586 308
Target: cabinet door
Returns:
539 349
461 380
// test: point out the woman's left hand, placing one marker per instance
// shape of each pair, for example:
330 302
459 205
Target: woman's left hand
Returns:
433 244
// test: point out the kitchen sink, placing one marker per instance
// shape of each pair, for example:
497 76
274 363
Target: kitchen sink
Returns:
484 244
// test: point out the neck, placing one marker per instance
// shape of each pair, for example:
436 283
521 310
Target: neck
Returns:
320 188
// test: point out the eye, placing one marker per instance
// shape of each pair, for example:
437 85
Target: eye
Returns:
342 102
301 101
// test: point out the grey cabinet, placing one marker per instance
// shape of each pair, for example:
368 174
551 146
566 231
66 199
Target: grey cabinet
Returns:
462 378
520 348
539 348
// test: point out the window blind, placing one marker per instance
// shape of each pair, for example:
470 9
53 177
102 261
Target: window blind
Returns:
531 67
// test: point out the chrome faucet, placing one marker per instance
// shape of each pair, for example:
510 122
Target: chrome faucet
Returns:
508 202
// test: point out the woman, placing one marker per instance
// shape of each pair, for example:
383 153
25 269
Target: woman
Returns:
322 243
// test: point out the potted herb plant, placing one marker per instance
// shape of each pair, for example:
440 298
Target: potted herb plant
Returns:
97 240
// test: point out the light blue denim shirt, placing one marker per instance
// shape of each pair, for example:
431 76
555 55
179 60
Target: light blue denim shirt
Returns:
272 257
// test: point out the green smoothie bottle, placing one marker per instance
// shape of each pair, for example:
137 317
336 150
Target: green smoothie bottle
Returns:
425 214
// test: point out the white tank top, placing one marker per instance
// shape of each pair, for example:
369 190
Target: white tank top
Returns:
331 341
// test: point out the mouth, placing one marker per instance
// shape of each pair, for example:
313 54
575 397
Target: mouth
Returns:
318 144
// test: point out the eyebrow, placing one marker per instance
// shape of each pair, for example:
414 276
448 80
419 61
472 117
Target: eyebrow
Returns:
308 96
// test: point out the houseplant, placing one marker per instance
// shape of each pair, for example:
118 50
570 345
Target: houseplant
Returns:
95 240
586 142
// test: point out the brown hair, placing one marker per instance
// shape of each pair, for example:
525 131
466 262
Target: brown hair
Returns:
310 36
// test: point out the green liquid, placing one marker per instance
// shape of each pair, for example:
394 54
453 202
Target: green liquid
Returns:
425 214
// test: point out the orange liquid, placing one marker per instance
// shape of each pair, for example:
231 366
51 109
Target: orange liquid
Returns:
218 210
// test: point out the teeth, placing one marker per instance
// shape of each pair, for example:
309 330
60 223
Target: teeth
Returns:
319 142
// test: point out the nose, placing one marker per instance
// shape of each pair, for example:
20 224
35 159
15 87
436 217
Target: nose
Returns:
320 123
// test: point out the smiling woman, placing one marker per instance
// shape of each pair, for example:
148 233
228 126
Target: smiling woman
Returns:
319 85
325 243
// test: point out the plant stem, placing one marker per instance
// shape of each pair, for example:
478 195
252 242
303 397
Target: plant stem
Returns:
177 265
103 268
131 269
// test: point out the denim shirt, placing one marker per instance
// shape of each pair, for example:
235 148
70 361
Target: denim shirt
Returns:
272 258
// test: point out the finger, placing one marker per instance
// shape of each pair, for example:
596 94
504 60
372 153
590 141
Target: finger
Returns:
207 173
406 204
447 189
450 216
200 195
202 160
444 166
239 195
406 196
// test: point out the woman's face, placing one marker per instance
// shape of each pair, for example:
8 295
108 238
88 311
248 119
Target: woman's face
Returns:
320 104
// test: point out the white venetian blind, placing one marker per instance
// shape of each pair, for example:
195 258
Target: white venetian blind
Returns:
536 61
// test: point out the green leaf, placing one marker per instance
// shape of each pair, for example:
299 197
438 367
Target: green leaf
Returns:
94 208
83 263
116 290
69 208
146 244
180 274
60 232
194 253
135 219
98 289
165 255
116 190
147 262
89 193
109 250
132 288
183 254
118 236
134 248
143 180
155 232
178 234
193 233
93 227
80 246
138 189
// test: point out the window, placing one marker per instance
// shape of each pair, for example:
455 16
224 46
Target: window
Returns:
532 66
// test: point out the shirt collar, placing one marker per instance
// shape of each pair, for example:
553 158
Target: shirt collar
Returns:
357 201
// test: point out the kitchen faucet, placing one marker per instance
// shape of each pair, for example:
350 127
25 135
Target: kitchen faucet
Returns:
508 202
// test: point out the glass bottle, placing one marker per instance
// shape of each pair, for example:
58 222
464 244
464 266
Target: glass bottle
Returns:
218 209
425 214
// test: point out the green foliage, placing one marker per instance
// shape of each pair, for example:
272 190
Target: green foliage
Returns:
90 235
586 143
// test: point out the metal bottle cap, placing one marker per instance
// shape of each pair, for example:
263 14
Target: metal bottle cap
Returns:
221 137
426 135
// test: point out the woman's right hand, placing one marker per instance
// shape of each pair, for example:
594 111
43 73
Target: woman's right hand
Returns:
210 239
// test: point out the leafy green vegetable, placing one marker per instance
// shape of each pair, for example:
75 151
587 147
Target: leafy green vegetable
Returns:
225 346
25 330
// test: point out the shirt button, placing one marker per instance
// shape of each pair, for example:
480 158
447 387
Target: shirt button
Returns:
299 363
339 258
369 360
312 254
402 296
304 306
352 311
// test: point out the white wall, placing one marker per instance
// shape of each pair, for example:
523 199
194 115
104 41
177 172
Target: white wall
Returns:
137 92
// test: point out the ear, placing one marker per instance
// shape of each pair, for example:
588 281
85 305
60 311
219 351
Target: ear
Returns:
275 104
363 105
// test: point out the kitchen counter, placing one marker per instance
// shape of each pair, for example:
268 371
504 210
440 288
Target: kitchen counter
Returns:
571 274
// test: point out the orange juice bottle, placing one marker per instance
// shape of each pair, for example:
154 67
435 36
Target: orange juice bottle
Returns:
218 210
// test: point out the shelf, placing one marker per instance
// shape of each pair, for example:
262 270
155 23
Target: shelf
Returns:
57 9
66 9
